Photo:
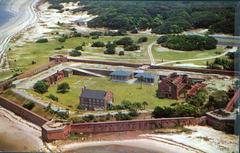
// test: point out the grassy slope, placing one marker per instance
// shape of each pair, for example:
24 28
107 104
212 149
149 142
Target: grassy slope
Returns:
122 91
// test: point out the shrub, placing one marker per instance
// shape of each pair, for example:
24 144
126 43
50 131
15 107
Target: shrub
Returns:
43 40
96 33
75 53
63 88
88 118
110 48
134 31
121 53
79 48
142 40
120 116
162 39
54 98
98 44
132 47
62 39
40 87
125 41
29 105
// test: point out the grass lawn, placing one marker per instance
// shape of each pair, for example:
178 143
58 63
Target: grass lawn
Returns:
5 75
21 57
170 55
20 101
122 91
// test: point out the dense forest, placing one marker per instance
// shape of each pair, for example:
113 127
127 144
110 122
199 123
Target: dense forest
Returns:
160 16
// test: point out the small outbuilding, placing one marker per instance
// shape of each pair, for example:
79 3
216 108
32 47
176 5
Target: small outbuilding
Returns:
120 75
146 77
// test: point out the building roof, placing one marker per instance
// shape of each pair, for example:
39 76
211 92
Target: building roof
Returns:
94 94
121 73
195 88
145 75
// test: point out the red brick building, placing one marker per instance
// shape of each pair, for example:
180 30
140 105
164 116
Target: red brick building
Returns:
53 79
172 86
195 88
95 99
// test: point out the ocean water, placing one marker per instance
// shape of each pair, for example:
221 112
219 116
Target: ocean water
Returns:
5 15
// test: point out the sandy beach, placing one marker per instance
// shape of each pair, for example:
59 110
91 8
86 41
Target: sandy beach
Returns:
201 139
24 16
17 134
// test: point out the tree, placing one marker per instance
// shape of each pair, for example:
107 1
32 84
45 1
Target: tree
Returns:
144 104
218 99
98 44
110 48
54 98
43 40
29 105
162 39
40 87
142 39
63 88
75 53
121 53
125 41
131 47
199 99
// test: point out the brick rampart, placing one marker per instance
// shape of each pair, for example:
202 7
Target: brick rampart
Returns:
118 126
22 112
197 70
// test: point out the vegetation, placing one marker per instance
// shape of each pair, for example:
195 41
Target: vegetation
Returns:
40 87
75 53
43 40
131 47
125 41
98 44
223 63
63 88
71 99
52 97
161 17
110 48
188 42
218 99
29 105
142 40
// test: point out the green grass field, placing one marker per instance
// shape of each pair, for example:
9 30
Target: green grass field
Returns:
121 91
170 55
21 57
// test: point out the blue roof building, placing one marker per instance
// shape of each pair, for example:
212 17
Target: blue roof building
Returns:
146 77
120 75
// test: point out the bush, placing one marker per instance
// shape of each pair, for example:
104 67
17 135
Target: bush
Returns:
88 118
54 98
110 48
40 87
120 116
162 39
142 40
43 40
63 88
96 33
125 41
29 105
121 53
98 44
62 39
132 47
56 6
76 34
75 53
134 31
79 48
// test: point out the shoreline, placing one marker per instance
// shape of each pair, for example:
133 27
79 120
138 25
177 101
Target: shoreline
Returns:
21 134
17 24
